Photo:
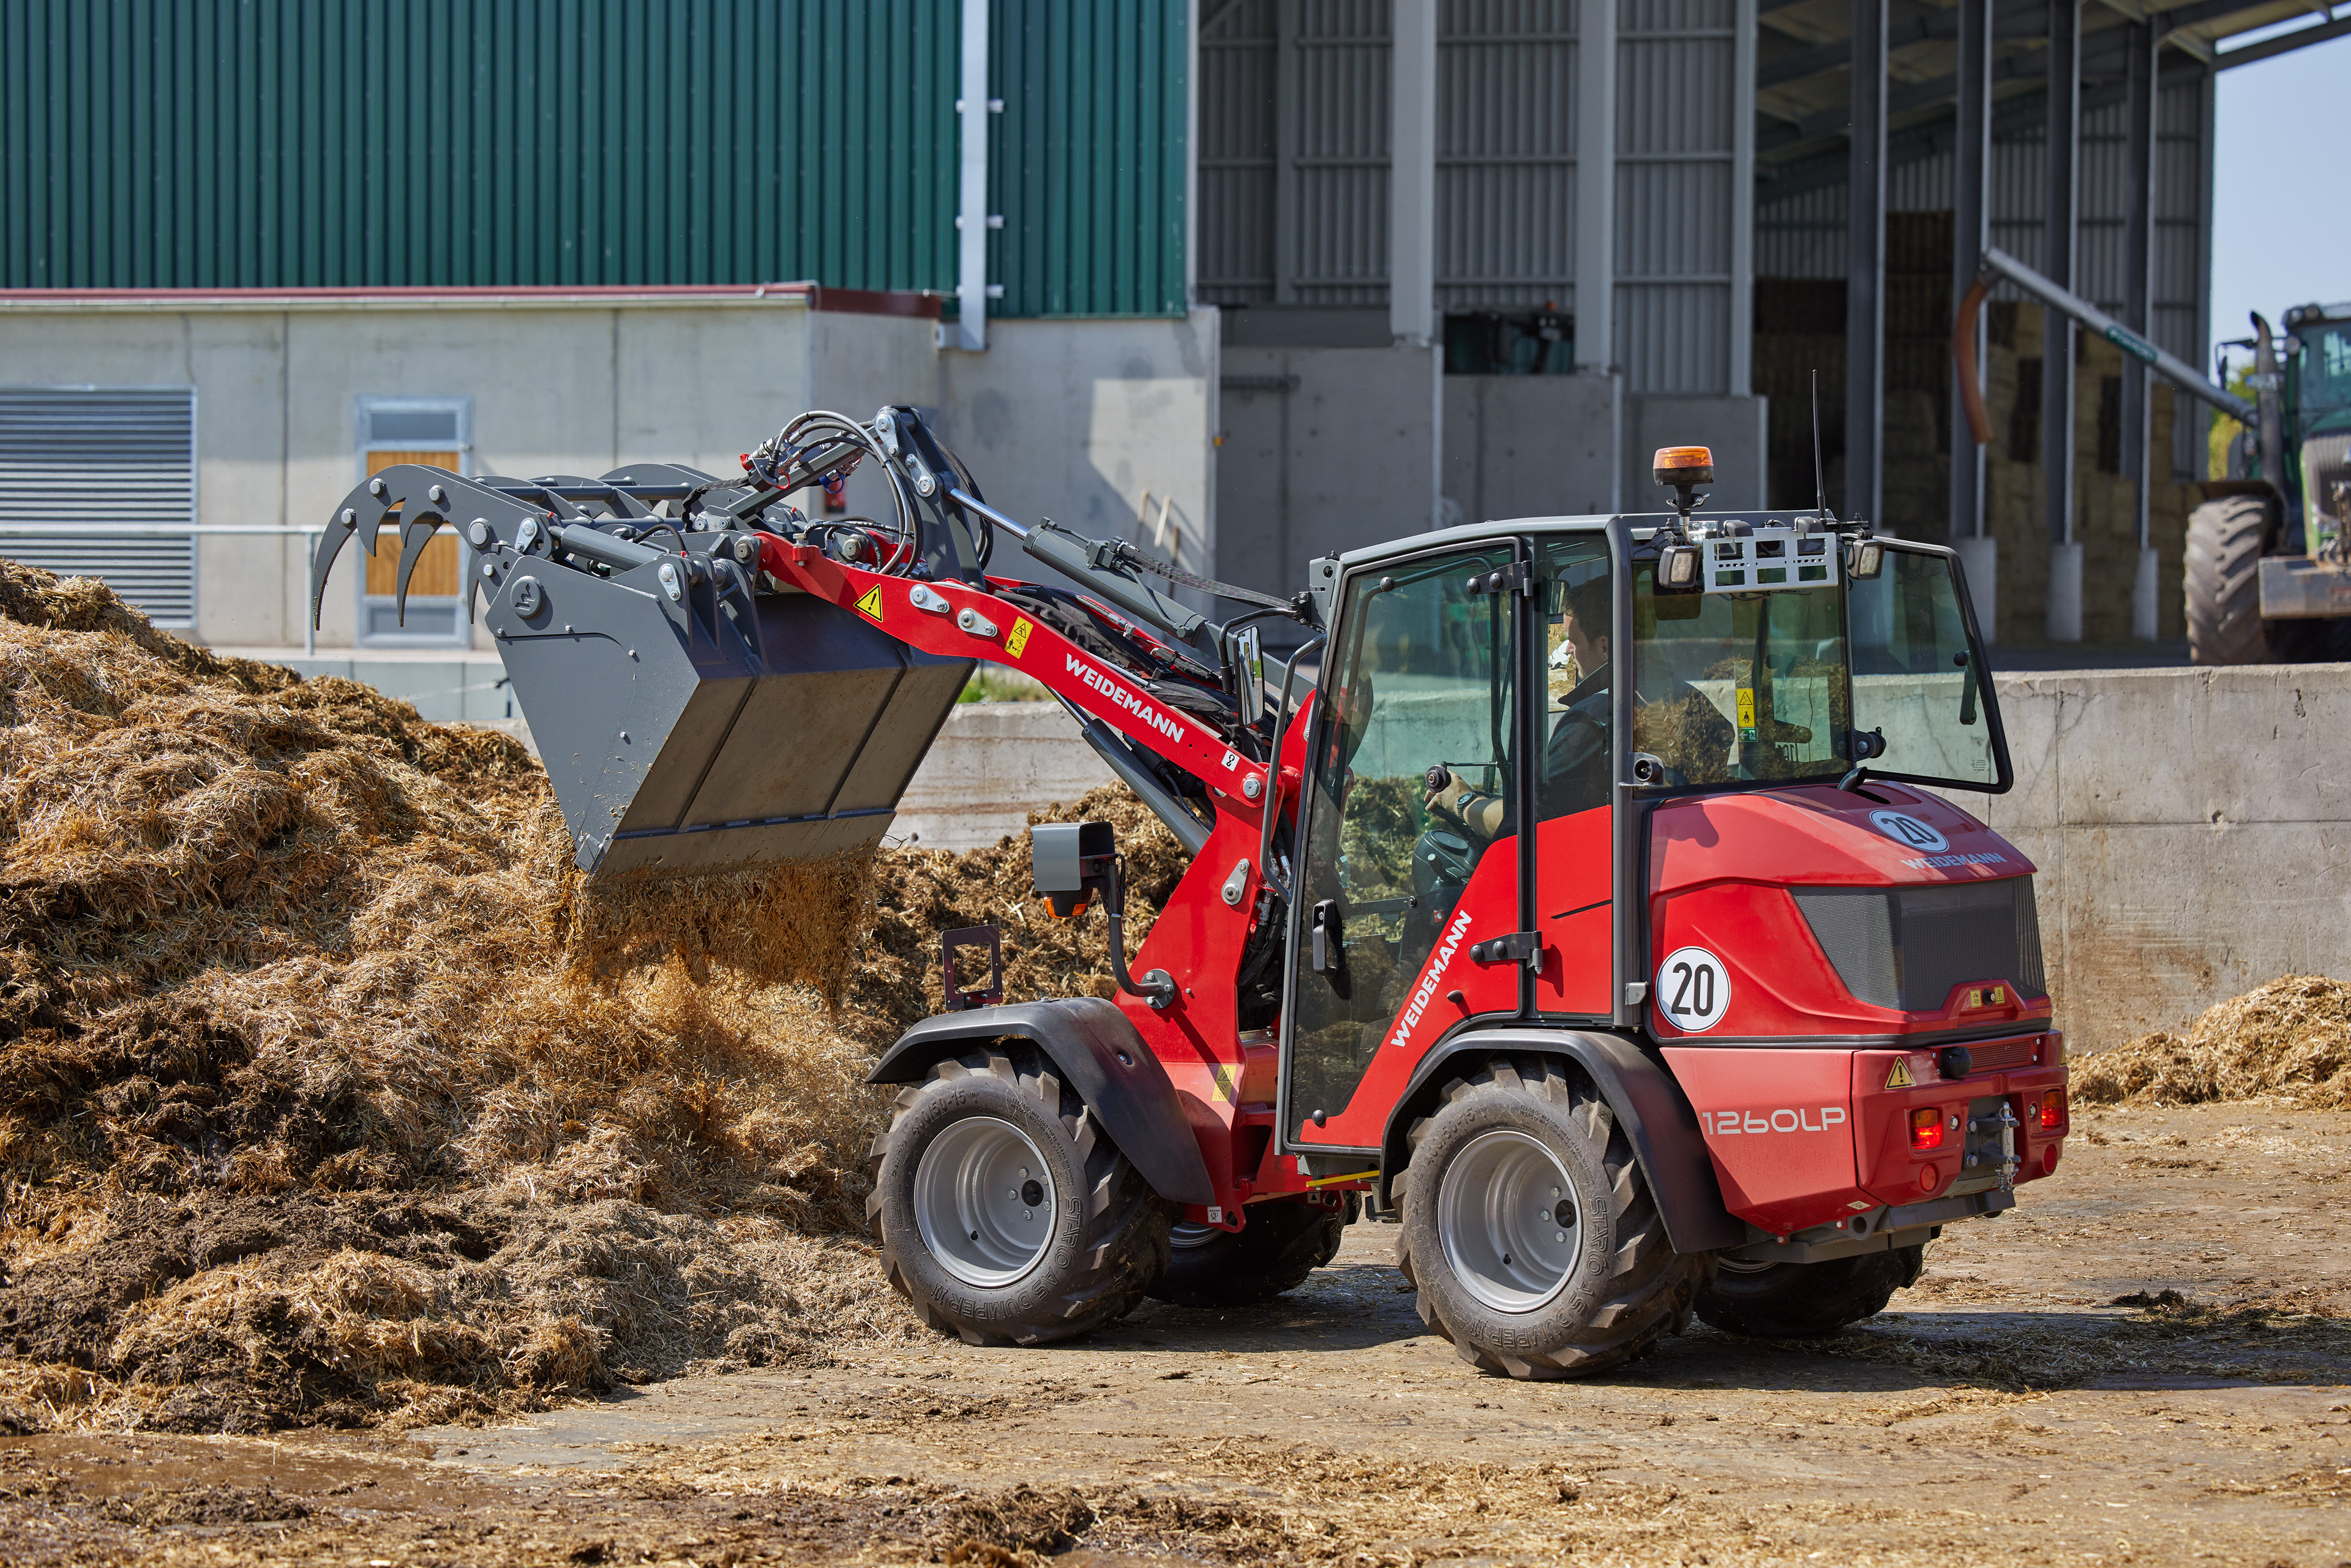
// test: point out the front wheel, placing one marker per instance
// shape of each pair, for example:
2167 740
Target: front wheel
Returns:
1798 1300
1530 1232
1005 1213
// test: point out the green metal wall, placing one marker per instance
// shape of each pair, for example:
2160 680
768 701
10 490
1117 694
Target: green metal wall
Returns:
472 144
1088 167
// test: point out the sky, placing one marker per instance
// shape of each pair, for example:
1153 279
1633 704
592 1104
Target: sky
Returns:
2281 223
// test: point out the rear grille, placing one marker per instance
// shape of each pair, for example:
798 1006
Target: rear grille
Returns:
2001 1053
1905 948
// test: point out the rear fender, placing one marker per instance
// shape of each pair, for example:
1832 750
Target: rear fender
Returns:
1098 1054
1647 1102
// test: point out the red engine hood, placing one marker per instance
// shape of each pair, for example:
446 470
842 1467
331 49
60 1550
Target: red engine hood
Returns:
1821 836
1725 935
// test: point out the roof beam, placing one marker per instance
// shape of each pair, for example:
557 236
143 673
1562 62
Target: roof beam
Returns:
2283 43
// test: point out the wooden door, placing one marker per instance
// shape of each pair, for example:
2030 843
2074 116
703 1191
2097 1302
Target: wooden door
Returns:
438 569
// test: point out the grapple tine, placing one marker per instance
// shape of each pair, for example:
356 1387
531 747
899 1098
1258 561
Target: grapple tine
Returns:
362 513
417 531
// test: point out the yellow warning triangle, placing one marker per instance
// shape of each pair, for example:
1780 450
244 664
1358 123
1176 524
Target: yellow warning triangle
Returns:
872 604
1900 1077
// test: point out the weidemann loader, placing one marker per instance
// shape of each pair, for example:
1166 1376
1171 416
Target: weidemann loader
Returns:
1574 894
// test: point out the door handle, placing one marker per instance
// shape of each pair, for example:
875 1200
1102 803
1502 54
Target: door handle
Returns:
1328 956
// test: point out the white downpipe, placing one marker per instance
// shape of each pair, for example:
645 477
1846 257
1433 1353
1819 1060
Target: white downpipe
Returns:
971 207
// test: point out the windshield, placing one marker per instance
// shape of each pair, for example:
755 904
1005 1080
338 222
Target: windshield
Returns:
2322 379
1732 687
1743 687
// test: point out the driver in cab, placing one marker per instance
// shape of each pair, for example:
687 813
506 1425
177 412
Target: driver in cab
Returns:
1576 759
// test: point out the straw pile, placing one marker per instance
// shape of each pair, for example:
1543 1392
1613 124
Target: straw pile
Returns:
328 1091
2291 1038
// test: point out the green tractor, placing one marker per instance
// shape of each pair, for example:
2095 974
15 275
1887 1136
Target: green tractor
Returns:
2269 550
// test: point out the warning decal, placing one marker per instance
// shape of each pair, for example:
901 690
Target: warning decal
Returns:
1745 713
1018 638
870 605
1900 1077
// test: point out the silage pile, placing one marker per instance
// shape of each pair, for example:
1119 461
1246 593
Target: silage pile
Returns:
2291 1038
328 1091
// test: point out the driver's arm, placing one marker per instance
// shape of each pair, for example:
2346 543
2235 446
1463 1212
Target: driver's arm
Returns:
1475 810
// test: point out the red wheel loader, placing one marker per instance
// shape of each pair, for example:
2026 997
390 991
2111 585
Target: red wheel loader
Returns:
1582 893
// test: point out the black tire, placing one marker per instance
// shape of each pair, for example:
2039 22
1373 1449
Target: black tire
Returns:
1798 1300
2226 542
1098 1249
1283 1243
1623 1287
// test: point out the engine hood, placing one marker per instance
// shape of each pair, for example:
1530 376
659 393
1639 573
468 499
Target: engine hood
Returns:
1821 836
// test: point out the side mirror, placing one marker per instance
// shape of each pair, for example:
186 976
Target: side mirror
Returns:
1245 663
1073 861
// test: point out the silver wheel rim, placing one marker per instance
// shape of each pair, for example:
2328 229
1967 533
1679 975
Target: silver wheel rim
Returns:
1508 1217
984 1201
1191 1233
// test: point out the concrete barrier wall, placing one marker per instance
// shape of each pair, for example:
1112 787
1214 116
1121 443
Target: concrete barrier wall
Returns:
2191 828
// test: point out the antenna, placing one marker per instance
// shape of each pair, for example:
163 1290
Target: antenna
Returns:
1819 476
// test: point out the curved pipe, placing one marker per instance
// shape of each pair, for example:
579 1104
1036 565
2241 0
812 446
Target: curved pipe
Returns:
1963 359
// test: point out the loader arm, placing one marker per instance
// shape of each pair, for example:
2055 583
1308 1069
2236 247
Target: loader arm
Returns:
715 680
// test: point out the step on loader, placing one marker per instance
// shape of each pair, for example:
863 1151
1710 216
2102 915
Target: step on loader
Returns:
1582 893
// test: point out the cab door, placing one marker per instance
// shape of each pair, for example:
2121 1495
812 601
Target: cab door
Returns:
1425 671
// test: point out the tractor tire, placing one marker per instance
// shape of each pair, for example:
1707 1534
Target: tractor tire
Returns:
1530 1231
2226 542
1005 1213
1798 1300
1283 1243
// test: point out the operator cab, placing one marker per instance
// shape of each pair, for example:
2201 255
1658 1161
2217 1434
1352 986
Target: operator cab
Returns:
1602 669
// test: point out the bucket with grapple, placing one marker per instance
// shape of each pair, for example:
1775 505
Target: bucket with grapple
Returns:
692 713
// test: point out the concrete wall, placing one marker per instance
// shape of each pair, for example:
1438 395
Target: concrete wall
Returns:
1532 446
991 765
1737 428
576 389
1325 449
1096 424
2192 830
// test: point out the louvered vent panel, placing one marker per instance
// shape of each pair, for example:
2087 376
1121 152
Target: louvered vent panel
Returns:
105 460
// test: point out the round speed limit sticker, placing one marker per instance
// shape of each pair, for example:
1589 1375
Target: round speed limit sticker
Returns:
1693 989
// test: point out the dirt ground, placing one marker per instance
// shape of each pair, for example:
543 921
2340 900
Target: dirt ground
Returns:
2006 1408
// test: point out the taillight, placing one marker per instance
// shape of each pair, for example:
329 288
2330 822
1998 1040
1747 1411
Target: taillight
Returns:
1927 1128
2052 1110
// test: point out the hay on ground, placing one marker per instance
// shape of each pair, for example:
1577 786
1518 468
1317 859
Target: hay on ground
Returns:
2290 1038
330 1090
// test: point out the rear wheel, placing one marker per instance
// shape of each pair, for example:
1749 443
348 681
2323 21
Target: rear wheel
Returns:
2226 540
1283 1243
1797 1301
1530 1231
1005 1212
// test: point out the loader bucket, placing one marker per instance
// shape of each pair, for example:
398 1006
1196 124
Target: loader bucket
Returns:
711 758
686 721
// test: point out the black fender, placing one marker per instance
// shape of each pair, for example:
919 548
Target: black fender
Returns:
1099 1055
1648 1104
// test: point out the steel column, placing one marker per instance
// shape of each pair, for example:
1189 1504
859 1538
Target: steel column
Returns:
971 204
1288 89
2058 231
1412 170
2138 309
1865 272
1596 186
1742 206
1970 236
